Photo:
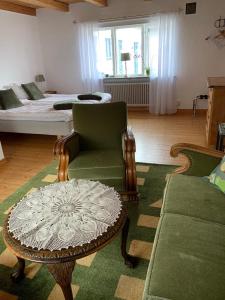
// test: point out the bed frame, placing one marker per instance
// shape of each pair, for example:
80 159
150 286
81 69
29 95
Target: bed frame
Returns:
37 127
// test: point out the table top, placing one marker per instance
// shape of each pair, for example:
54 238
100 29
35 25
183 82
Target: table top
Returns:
64 221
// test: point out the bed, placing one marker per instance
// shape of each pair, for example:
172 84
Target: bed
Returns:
39 116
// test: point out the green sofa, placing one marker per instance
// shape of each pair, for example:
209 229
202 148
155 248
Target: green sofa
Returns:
188 256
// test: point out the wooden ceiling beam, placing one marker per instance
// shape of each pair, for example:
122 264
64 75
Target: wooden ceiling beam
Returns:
53 4
4 5
95 2
98 2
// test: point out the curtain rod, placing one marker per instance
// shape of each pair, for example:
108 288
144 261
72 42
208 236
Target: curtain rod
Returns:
134 17
138 16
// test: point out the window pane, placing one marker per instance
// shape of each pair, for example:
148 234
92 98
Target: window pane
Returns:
105 56
129 40
153 50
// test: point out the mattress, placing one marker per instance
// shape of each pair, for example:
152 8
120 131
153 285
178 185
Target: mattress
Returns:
39 117
42 110
32 111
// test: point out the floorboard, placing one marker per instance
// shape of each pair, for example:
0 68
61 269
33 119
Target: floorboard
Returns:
25 155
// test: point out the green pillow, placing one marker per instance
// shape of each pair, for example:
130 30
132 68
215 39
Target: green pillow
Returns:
33 91
89 97
64 105
217 176
8 99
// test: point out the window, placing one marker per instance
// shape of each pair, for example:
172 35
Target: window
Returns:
121 39
108 48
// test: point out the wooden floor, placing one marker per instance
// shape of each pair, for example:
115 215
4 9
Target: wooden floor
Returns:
28 154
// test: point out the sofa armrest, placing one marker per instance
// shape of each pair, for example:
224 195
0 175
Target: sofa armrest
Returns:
200 161
129 149
67 148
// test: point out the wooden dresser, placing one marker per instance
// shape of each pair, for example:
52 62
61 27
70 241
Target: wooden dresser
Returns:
216 113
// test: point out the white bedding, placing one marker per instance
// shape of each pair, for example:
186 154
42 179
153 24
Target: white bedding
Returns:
42 110
35 112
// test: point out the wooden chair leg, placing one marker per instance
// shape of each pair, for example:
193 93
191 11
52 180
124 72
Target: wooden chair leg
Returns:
129 260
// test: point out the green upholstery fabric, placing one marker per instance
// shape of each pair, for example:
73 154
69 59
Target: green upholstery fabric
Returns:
188 260
100 126
33 91
64 105
8 99
89 97
217 177
106 166
201 164
194 196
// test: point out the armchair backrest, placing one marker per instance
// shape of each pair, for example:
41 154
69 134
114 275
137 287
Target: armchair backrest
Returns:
100 126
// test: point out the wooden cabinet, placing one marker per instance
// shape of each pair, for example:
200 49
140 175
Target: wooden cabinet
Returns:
216 113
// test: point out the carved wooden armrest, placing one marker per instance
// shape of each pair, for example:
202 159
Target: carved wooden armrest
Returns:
200 160
129 141
129 149
67 149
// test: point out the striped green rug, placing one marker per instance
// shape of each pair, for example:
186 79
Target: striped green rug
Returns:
102 275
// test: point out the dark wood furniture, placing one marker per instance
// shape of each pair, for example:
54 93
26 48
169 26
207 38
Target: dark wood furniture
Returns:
216 113
61 263
220 137
50 92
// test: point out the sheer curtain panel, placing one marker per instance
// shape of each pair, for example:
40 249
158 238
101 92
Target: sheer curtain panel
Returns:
162 34
87 39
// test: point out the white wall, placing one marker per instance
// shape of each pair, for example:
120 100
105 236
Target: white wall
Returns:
20 49
59 50
197 58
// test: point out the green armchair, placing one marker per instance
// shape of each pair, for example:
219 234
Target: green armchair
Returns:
102 148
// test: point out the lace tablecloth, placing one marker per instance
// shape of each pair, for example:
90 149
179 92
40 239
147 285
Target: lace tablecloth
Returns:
65 214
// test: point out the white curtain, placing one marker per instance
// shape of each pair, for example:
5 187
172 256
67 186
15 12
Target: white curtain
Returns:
86 39
162 39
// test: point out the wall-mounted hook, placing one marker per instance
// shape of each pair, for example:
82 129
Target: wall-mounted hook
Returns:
220 23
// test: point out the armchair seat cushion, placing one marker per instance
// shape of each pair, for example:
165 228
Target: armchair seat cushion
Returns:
106 166
187 261
195 197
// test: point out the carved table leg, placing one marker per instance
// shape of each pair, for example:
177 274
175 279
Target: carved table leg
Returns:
62 273
129 260
18 274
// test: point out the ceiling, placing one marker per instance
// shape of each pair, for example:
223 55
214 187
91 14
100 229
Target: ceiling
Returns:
29 7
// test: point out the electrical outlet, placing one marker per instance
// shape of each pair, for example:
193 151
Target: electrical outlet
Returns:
178 103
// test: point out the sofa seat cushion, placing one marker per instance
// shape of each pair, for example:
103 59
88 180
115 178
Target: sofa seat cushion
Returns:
194 196
106 166
188 260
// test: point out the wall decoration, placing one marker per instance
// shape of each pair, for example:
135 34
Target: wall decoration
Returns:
218 34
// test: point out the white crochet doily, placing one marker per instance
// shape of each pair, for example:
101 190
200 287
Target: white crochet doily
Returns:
64 214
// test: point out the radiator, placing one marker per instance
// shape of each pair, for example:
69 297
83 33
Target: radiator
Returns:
134 91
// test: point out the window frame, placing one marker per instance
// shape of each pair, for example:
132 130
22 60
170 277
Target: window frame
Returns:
144 47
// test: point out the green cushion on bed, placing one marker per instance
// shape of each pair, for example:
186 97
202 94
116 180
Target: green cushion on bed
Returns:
89 97
33 91
8 99
64 105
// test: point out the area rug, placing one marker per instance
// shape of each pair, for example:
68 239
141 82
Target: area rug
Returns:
102 275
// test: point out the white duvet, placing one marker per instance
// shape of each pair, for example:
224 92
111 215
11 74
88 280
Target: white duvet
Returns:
42 110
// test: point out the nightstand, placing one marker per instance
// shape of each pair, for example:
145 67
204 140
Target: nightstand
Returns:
50 92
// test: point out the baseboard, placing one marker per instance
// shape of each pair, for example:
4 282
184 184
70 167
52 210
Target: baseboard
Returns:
190 111
187 111
137 108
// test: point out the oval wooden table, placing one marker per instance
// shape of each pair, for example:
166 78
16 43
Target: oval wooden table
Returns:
61 263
